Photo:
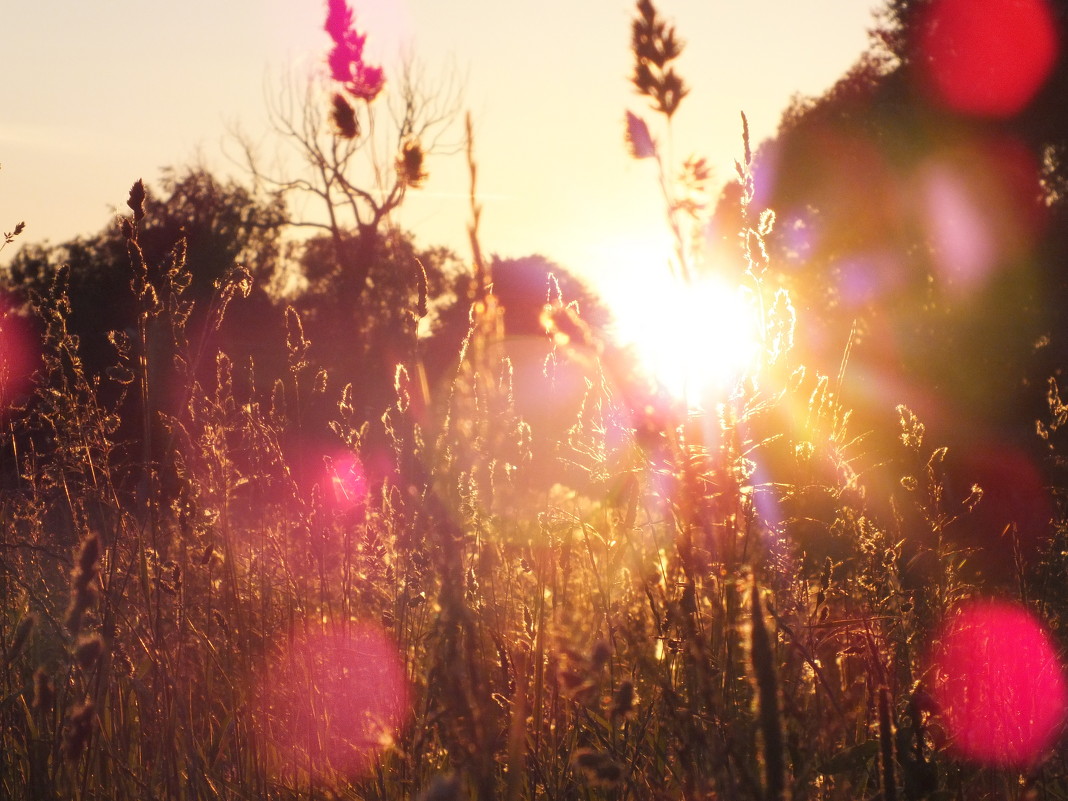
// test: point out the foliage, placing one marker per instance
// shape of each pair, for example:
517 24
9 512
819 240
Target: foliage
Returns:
354 164
926 241
362 333
871 180
221 223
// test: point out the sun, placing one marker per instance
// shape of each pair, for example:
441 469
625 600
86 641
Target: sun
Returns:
697 339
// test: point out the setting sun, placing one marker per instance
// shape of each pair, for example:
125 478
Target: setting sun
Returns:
695 339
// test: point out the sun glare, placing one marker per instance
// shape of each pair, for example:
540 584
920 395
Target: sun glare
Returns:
696 339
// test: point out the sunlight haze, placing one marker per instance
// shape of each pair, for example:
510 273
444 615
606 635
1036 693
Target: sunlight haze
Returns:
104 98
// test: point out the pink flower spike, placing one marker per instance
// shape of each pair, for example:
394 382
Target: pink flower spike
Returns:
345 60
339 19
366 82
639 140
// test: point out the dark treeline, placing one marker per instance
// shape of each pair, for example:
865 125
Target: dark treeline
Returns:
922 231
411 310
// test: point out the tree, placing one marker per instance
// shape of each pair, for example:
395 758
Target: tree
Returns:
931 228
924 224
360 335
224 224
353 142
356 155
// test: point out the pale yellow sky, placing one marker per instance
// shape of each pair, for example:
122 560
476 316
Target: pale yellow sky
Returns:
98 95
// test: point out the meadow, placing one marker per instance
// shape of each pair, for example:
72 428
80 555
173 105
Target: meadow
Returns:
630 597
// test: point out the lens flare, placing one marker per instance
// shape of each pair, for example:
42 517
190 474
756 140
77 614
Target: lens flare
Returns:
960 233
980 210
999 684
695 339
346 477
987 58
19 356
334 700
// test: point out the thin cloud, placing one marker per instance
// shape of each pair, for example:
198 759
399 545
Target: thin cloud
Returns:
52 138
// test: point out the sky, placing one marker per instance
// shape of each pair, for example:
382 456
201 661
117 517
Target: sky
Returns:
100 94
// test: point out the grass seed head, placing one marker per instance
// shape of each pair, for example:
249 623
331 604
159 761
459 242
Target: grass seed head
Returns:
89 649
78 729
82 592
21 636
44 692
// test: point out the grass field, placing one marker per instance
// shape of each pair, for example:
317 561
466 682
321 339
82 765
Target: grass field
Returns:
737 599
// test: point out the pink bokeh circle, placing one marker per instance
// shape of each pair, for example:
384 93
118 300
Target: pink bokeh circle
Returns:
334 700
999 684
987 58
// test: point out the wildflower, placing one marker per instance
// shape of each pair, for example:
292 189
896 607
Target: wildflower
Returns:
346 63
79 727
344 118
84 574
655 46
136 201
639 141
410 165
623 701
600 655
88 649
9 236
44 692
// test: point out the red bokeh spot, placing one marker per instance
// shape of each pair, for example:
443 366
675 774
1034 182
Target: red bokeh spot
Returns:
999 684
334 700
19 356
987 57
346 478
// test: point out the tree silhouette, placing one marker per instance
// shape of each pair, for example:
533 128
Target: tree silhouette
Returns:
350 336
355 144
930 229
223 224
360 334
924 223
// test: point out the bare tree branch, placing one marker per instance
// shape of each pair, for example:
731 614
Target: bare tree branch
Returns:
355 182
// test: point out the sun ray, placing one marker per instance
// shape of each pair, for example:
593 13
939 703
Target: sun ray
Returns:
696 339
